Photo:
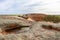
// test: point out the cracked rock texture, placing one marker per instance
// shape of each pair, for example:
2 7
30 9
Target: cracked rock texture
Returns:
35 32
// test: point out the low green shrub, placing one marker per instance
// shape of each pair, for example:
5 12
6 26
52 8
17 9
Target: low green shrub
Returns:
52 18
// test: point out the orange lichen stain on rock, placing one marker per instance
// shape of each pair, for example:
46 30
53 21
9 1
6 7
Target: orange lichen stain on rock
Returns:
5 33
9 31
12 25
2 32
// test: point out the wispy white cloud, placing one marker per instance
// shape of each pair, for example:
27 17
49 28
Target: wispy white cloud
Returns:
47 6
29 6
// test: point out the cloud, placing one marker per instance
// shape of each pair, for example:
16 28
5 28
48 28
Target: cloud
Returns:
46 6
29 6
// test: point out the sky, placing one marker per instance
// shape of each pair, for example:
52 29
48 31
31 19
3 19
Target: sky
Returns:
30 6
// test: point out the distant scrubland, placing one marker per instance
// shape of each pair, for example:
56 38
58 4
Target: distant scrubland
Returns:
52 18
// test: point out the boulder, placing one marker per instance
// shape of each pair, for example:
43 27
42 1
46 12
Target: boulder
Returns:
35 32
12 22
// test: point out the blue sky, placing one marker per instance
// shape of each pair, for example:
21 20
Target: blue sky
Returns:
29 6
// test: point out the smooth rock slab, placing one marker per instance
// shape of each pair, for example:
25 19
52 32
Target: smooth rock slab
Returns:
5 22
35 32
